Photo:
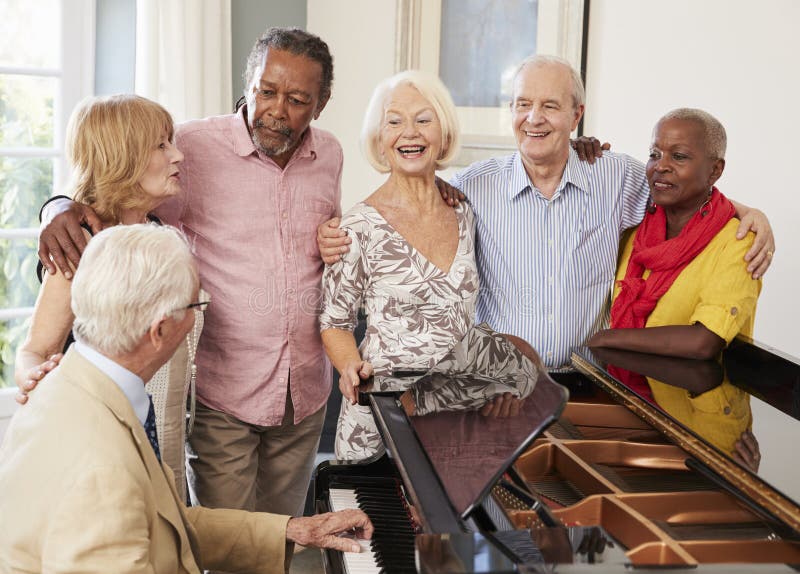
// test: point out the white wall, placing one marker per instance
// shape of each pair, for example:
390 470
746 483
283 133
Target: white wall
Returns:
737 60
360 34
249 19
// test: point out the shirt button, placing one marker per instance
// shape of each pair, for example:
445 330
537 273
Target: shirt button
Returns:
550 280
550 317
726 410
285 215
550 242
549 353
281 380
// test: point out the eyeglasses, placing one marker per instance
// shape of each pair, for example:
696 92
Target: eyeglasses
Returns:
200 305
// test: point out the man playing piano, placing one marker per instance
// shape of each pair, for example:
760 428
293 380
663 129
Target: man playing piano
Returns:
83 486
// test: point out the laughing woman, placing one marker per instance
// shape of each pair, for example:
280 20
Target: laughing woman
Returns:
411 263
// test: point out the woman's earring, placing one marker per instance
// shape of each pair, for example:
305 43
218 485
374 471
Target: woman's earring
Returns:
706 206
651 206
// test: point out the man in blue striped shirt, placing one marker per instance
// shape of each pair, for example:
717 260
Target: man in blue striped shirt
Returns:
549 224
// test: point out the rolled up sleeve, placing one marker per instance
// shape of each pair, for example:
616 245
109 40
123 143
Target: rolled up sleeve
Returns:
728 303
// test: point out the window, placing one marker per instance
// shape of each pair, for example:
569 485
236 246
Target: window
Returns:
46 67
437 36
485 51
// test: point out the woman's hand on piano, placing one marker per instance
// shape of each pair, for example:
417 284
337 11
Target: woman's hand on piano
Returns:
503 406
325 530
351 376
746 451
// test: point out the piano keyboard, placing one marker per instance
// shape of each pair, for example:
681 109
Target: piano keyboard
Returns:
391 549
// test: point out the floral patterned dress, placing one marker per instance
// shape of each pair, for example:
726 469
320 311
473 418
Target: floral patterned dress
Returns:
416 312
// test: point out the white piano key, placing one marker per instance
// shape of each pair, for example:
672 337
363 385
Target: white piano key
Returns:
363 562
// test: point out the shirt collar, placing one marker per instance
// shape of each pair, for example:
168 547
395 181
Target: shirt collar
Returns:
130 384
243 144
519 177
575 173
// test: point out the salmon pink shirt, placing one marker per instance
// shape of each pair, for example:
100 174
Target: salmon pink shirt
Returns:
253 227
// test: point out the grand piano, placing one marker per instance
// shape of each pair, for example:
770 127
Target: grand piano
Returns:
593 474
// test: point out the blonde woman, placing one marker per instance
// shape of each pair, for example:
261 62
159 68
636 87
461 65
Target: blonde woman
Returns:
124 164
411 265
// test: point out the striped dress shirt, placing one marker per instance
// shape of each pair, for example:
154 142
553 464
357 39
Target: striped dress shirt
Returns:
547 266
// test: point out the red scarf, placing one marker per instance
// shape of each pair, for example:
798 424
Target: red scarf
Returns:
665 258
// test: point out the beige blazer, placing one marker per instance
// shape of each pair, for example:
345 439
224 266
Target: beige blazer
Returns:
82 490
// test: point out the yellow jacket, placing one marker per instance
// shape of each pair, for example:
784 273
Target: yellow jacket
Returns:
715 289
82 490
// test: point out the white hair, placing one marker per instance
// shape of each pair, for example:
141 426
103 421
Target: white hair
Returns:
578 92
716 139
432 89
128 277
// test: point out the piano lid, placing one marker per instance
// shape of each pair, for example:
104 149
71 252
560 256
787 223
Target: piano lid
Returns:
469 451
744 407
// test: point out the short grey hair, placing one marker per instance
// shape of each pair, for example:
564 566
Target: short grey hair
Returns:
432 89
128 277
713 130
297 42
578 92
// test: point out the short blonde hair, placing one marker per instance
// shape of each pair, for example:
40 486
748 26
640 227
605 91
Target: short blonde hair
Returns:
109 144
432 89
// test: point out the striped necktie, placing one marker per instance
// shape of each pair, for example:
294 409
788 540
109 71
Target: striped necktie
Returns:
150 428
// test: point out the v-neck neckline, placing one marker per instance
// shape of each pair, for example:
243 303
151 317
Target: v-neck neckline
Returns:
414 249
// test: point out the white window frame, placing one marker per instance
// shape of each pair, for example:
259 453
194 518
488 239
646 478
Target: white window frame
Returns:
76 75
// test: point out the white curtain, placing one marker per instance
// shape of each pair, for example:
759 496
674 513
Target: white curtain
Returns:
183 56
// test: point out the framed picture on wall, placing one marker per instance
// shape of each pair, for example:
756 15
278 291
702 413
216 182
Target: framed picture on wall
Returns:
475 46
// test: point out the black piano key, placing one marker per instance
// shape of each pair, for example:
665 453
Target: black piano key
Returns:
379 506
397 510
386 518
389 544
393 538
393 530
392 533
395 562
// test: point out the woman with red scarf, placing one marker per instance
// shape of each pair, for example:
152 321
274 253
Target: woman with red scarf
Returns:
682 287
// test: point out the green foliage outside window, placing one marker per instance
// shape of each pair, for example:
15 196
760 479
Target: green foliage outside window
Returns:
26 119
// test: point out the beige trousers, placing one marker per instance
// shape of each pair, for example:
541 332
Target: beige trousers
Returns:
233 464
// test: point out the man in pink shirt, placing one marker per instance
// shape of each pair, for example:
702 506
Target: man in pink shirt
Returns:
256 184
